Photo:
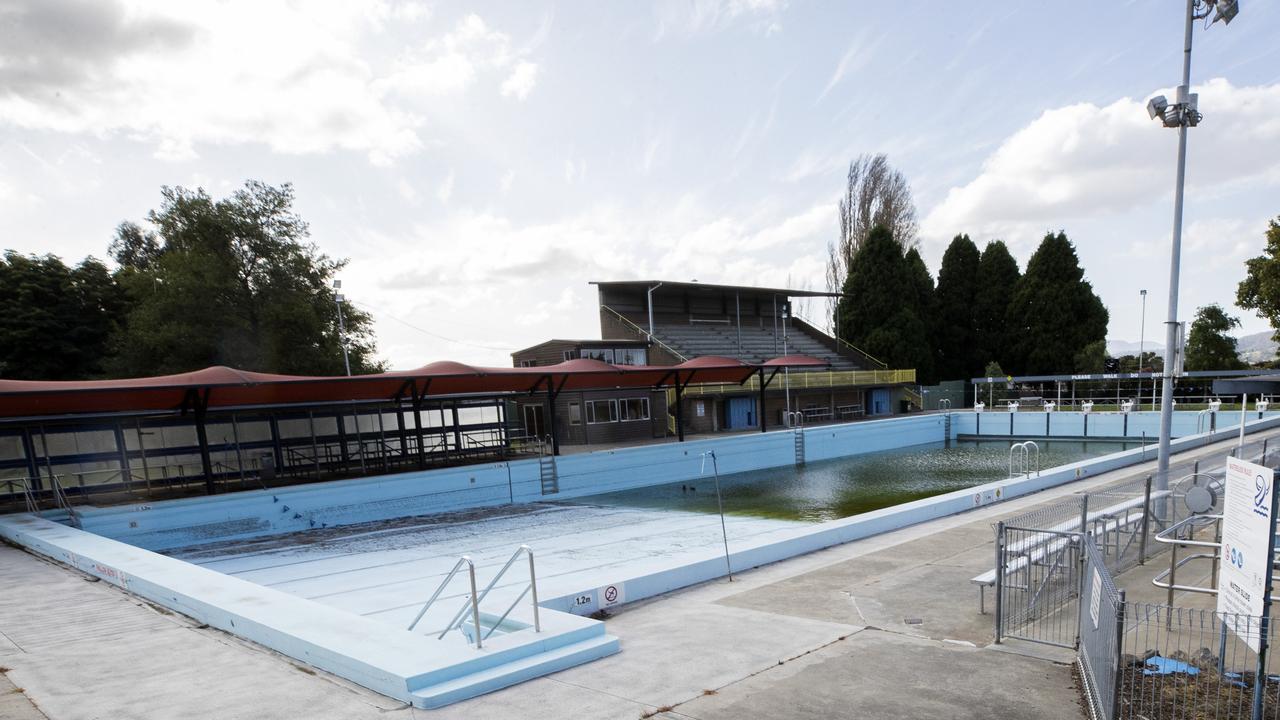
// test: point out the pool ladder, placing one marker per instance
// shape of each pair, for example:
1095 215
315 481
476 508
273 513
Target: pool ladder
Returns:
547 471
1020 458
475 598
799 433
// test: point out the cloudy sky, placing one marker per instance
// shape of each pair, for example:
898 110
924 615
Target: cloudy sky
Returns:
479 163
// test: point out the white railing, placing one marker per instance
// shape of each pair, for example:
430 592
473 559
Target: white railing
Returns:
1021 453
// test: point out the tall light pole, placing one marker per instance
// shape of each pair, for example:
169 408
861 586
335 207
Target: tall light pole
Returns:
342 330
1181 114
1142 344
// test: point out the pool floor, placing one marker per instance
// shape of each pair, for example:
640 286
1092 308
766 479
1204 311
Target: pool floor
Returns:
385 570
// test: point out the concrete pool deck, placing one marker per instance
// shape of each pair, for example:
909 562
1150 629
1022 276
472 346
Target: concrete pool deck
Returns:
821 635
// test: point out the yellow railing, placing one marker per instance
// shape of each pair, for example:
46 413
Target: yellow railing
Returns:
807 381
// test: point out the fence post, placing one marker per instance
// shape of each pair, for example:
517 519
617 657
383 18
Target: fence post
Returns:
1084 514
999 578
1146 521
1117 657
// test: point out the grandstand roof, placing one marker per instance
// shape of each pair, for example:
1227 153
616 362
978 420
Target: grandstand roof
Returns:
224 387
670 284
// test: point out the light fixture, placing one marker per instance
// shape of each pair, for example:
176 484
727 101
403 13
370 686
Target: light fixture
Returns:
1156 106
1226 10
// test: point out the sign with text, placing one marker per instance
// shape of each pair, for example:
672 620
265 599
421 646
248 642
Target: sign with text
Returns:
1247 527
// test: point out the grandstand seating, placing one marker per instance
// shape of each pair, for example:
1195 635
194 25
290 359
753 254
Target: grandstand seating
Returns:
758 343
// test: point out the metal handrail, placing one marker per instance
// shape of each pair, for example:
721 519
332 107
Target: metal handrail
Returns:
476 600
842 341
464 560
1023 450
648 335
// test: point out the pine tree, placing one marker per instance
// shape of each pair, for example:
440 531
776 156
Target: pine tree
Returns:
881 310
956 312
998 275
1054 310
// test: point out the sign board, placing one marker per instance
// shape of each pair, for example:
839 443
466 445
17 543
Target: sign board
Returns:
611 595
1247 526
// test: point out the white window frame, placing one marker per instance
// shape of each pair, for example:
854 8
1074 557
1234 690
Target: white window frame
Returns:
575 414
622 407
592 419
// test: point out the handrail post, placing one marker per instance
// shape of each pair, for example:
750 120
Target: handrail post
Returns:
475 604
1146 522
999 589
533 586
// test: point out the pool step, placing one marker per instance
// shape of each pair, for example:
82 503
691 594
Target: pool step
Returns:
550 479
516 671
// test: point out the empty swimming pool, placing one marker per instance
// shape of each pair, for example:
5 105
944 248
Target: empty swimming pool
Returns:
840 488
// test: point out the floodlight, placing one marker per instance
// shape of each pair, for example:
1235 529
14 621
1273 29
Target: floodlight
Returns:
1226 10
1156 106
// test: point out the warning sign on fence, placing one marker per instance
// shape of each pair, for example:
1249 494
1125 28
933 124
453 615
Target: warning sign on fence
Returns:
1247 525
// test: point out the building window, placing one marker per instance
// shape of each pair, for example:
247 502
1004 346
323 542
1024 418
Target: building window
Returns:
528 363
575 414
700 409
570 355
635 409
630 356
603 354
602 411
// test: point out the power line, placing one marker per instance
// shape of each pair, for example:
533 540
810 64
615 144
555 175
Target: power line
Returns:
438 336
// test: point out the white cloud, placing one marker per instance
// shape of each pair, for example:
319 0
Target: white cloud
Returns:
521 81
855 58
689 17
508 178
207 72
446 189
1083 161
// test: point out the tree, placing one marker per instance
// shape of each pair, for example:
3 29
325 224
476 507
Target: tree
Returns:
880 310
232 282
55 321
1054 311
875 195
1091 359
1209 347
955 311
923 305
1260 289
998 275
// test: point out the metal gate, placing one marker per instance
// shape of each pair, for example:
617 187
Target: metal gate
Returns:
1037 585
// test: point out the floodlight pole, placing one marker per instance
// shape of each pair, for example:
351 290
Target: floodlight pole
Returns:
342 330
1171 323
1142 344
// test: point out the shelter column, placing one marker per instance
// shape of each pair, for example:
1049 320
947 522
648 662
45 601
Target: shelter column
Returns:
201 403
764 424
679 410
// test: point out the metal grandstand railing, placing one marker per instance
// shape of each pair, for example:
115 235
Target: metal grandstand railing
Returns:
809 380
644 334
844 343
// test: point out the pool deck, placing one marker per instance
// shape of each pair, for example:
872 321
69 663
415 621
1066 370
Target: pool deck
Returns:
818 636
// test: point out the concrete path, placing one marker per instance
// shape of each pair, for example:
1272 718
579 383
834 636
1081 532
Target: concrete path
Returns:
886 627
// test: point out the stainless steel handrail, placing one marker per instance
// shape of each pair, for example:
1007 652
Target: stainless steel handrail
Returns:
464 560
476 600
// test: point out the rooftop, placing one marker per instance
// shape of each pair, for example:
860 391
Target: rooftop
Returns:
695 285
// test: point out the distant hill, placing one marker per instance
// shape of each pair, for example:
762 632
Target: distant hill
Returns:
1253 348
1257 347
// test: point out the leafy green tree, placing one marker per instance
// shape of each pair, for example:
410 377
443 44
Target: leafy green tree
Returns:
955 312
1260 289
55 321
1209 346
232 282
1054 311
881 310
998 275
1091 358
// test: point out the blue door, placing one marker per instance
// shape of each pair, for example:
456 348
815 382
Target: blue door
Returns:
880 401
740 413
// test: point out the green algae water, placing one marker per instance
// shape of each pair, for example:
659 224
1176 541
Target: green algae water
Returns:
831 489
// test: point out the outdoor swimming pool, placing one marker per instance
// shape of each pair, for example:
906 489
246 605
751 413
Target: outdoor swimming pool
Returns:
831 489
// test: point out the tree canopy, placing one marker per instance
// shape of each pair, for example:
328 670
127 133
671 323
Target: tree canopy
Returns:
885 305
204 282
998 275
1260 289
232 282
1209 344
1054 311
55 321
956 311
